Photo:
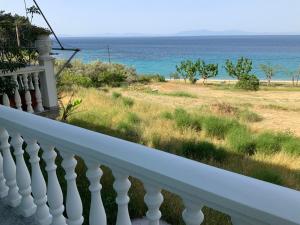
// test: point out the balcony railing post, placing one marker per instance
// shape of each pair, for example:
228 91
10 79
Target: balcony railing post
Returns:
3 187
9 170
47 78
192 215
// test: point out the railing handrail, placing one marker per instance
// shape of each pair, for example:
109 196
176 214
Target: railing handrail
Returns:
222 190
24 70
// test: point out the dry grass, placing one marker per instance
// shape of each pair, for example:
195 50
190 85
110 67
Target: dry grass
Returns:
142 122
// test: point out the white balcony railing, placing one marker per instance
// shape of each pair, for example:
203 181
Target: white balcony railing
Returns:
36 85
27 95
248 201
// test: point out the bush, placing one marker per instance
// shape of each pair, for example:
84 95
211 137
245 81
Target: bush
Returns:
147 78
202 150
249 116
241 140
218 127
116 95
248 82
268 176
128 101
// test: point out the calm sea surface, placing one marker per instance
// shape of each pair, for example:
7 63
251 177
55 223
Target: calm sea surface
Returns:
161 54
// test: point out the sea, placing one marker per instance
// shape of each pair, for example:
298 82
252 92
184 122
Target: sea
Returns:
160 55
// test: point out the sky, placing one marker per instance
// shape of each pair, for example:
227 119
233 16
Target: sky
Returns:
164 17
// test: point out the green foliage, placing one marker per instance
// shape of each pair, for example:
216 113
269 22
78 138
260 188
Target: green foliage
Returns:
128 101
202 150
70 108
248 116
291 146
218 127
242 67
248 82
7 85
116 95
268 176
206 70
188 70
96 74
241 140
17 37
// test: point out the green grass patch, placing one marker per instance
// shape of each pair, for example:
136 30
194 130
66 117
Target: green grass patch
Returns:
196 150
133 118
268 176
184 119
129 102
241 140
116 95
166 115
217 127
181 94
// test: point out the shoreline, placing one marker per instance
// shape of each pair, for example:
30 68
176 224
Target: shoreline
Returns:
234 81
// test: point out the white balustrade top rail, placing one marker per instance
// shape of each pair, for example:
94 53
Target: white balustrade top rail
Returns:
239 196
25 70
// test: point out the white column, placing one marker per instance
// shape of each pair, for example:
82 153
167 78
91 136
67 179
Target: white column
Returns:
27 94
122 186
27 207
38 94
73 201
192 215
38 183
153 200
30 83
97 212
9 170
3 187
5 100
47 78
54 192
17 94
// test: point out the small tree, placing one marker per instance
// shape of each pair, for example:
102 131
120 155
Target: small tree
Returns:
291 74
243 67
269 71
188 70
207 71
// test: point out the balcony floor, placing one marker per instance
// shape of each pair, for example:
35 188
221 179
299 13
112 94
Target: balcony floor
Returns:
8 216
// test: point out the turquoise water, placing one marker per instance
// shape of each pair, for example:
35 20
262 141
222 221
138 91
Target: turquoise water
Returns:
161 54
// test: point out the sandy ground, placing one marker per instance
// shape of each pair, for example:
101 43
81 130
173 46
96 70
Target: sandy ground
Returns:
287 118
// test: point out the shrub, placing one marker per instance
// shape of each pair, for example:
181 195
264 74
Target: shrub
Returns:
128 130
202 150
241 140
116 95
248 82
249 116
128 101
268 176
218 127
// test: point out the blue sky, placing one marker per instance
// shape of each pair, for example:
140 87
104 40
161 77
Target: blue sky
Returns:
164 17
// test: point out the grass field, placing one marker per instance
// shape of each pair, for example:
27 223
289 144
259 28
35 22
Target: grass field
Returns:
233 130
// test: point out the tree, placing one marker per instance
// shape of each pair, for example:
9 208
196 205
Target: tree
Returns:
188 70
206 71
291 74
243 67
269 71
